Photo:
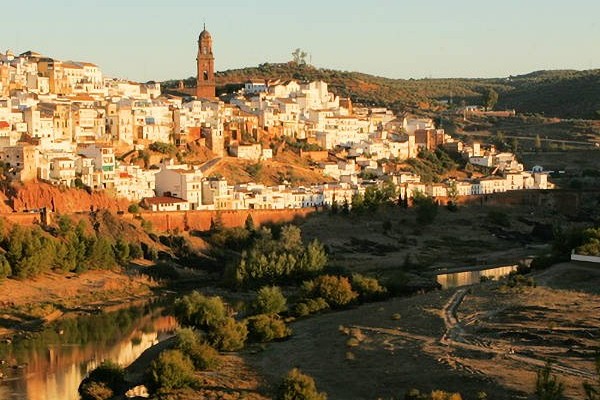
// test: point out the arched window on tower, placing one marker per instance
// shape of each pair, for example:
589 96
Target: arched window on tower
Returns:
205 75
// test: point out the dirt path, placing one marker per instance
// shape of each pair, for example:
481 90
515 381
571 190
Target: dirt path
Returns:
456 336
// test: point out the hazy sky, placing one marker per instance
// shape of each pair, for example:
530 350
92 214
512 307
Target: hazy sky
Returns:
157 39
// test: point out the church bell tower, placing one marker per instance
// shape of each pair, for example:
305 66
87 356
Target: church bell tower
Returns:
205 81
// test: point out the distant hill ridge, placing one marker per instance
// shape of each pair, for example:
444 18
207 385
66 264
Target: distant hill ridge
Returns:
559 93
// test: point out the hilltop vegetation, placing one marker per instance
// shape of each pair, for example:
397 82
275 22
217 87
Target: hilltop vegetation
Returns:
560 93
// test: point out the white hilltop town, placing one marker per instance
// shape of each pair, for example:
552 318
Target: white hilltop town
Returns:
63 122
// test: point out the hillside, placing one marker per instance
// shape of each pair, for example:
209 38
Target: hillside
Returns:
286 166
561 93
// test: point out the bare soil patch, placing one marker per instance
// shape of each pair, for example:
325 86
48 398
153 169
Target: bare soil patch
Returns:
380 350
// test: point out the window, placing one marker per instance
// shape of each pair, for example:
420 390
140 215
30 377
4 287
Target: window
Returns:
205 75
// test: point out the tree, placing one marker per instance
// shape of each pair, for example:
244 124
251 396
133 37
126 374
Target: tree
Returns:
299 56
200 311
121 250
290 239
346 207
358 203
491 99
426 208
5 270
299 386
249 223
547 386
537 143
269 300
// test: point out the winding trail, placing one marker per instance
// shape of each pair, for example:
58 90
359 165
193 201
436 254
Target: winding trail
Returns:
456 336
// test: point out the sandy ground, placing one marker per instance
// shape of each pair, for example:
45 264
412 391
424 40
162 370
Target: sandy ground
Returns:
380 350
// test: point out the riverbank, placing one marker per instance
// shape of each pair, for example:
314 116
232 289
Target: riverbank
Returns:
27 305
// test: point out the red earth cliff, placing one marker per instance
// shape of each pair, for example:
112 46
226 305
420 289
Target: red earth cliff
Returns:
31 196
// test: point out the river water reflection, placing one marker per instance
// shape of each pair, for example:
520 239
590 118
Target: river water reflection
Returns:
455 279
55 361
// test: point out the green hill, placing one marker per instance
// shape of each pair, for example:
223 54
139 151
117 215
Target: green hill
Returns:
561 93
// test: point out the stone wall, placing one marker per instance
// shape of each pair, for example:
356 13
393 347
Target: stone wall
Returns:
201 220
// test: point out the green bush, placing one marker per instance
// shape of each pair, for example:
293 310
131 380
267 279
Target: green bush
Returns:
310 306
335 290
171 370
203 355
368 288
265 328
269 300
133 208
135 251
230 335
299 386
164 148
267 260
200 311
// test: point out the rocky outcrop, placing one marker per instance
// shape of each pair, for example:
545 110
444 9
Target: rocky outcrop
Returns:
32 196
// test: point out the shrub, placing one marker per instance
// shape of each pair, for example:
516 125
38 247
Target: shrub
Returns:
415 394
103 382
397 284
368 288
171 370
133 208
269 300
164 148
335 290
310 306
95 391
265 328
203 355
230 335
299 386
135 251
200 311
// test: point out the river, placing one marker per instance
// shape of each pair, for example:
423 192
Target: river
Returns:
52 363
472 276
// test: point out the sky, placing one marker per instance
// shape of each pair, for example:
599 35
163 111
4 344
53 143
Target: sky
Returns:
157 39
